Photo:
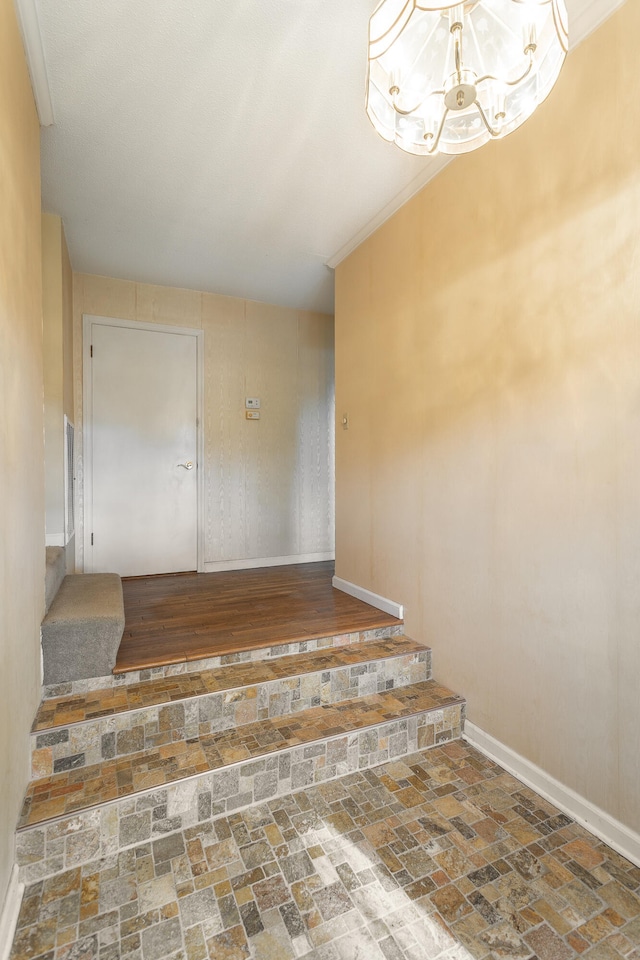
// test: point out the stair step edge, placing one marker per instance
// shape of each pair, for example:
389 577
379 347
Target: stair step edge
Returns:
94 740
217 751
274 651
66 842
70 710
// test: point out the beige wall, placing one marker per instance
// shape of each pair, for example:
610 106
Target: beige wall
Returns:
488 356
57 314
268 484
21 429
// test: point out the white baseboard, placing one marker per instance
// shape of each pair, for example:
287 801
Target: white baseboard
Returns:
218 566
9 915
373 599
622 838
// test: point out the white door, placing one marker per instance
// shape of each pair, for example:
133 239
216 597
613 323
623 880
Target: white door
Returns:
142 501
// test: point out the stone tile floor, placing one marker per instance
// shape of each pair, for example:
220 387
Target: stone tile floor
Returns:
442 854
76 708
72 790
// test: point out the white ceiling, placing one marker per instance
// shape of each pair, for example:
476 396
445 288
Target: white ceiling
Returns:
220 145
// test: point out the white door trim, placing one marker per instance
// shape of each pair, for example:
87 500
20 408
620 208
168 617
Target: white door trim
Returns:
88 320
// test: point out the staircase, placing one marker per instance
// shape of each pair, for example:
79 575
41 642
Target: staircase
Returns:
139 755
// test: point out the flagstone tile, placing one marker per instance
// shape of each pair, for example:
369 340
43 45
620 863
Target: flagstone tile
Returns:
77 789
83 700
107 723
307 875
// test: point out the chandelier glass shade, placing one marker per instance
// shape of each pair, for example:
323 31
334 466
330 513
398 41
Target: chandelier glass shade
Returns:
448 77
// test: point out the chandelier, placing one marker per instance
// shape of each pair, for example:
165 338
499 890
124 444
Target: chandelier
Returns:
448 77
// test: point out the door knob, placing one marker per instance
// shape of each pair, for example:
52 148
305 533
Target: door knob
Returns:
188 465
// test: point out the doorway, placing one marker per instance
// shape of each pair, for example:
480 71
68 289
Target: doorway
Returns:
142 447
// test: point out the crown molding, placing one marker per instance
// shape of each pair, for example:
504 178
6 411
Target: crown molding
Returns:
32 40
435 166
592 14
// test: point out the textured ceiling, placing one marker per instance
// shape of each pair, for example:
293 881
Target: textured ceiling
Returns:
220 145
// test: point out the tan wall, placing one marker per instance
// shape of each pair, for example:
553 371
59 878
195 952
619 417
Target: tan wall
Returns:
57 313
21 428
269 484
488 356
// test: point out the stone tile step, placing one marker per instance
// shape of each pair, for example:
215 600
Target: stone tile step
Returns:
72 817
283 648
108 701
84 729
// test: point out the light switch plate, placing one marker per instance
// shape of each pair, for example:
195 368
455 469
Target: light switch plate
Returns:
252 403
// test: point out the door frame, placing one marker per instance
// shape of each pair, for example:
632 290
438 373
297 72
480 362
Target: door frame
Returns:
88 321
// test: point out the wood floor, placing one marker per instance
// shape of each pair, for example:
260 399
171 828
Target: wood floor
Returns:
170 619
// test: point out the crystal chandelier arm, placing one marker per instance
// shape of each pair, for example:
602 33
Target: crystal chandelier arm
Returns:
420 54
407 113
508 83
457 48
492 132
436 141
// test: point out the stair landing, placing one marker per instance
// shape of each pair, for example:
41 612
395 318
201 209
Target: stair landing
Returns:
185 617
